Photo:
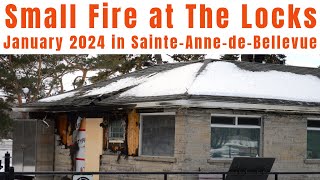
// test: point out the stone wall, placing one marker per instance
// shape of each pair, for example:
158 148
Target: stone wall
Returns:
283 136
62 159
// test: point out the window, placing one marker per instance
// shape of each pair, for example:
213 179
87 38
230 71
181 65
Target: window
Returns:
313 139
233 136
157 135
116 131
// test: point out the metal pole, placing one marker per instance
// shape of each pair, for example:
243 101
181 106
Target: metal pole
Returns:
7 164
11 173
165 176
223 176
275 176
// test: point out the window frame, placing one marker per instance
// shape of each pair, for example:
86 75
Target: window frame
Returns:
115 140
237 126
141 129
311 129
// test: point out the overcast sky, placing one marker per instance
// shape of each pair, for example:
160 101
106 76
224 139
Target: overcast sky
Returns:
293 59
303 60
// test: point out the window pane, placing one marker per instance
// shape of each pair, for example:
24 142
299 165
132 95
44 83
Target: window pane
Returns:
222 120
249 121
158 135
314 124
232 142
313 145
116 130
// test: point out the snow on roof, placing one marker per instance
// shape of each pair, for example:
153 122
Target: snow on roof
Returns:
118 85
226 79
211 78
175 81
59 96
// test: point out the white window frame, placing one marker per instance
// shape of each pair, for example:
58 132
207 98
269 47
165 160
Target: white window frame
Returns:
115 140
312 129
141 128
237 126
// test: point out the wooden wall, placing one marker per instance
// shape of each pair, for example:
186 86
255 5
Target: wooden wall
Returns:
133 133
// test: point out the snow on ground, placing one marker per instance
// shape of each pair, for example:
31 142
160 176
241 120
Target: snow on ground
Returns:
115 86
175 81
226 79
58 97
5 146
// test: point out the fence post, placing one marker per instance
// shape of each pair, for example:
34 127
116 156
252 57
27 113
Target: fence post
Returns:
275 176
165 176
11 173
7 165
223 176
6 162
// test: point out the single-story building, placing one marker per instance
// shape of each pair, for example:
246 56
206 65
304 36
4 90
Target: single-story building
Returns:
192 116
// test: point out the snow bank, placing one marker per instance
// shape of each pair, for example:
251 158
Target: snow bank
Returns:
118 85
226 79
175 81
58 97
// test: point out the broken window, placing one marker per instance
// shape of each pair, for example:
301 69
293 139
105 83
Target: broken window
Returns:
157 135
115 131
313 136
234 136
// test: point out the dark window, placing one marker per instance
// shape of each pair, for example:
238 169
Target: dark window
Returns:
313 140
238 137
222 120
158 133
234 142
315 124
249 121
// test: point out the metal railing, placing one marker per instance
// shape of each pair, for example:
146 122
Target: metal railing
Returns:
10 174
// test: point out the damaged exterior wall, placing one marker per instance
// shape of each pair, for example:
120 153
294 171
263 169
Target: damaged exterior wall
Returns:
133 133
283 136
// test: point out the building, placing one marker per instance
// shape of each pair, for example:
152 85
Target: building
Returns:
193 116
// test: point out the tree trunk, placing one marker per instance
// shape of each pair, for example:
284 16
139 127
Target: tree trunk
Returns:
61 85
158 58
19 99
84 77
39 79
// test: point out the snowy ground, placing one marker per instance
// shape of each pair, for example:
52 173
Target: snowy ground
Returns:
5 146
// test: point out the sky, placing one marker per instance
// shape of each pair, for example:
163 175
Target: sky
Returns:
304 60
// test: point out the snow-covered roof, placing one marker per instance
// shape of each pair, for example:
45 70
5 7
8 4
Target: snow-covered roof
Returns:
206 79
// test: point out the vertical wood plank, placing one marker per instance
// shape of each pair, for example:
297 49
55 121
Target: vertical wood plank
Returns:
133 133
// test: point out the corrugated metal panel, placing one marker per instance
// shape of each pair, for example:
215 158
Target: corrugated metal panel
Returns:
24 145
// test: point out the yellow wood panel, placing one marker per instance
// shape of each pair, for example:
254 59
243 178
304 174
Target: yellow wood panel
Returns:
133 133
64 129
94 145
